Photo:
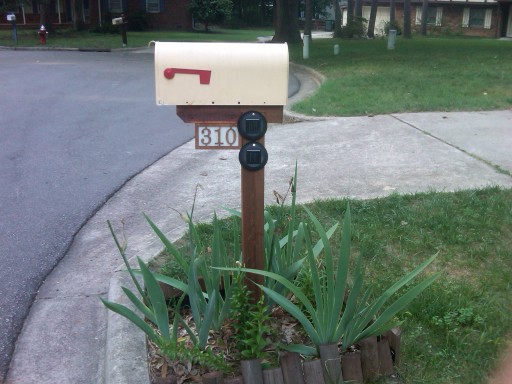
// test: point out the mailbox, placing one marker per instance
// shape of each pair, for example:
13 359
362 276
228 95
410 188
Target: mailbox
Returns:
11 17
117 21
221 74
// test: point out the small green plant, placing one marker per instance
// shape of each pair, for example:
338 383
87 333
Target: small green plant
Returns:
152 305
211 307
250 321
284 239
332 319
462 317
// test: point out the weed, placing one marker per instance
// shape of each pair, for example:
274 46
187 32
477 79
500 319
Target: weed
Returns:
250 321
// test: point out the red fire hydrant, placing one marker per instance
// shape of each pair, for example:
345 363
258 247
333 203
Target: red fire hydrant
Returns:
42 34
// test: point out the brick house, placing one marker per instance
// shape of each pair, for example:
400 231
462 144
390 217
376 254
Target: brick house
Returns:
485 18
163 14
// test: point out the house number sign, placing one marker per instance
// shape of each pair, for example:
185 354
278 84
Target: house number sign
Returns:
222 135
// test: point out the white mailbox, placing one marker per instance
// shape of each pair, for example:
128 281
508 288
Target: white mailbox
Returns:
117 21
221 74
11 17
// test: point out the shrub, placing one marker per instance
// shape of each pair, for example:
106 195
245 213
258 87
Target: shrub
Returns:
392 25
211 12
137 21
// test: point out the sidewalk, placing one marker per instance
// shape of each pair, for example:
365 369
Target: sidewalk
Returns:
69 337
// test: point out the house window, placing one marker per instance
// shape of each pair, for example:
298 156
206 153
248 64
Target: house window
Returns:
434 15
116 6
153 6
431 15
477 18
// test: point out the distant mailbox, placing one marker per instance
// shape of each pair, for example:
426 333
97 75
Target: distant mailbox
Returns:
221 74
11 17
117 21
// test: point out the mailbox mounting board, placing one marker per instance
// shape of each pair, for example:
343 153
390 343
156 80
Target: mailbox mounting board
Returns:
221 74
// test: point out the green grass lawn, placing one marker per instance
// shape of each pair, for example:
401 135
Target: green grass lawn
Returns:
421 74
457 329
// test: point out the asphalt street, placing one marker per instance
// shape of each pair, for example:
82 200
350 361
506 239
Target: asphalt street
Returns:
74 127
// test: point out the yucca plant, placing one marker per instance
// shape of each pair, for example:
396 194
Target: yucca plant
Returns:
211 307
285 254
153 307
151 303
331 319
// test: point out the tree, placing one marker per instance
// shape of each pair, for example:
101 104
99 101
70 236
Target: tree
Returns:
424 17
211 11
46 8
358 9
407 19
338 32
287 22
350 19
350 11
392 12
371 21
308 17
76 14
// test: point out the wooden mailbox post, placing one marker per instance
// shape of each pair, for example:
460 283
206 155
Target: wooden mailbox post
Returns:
215 86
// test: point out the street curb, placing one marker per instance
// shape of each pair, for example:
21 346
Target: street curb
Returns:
126 352
37 48
55 49
314 80
131 49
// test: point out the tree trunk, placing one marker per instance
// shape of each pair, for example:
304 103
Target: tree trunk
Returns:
46 14
308 18
371 21
237 9
392 13
407 19
424 17
274 14
350 11
338 19
76 15
350 19
43 13
287 23
358 9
